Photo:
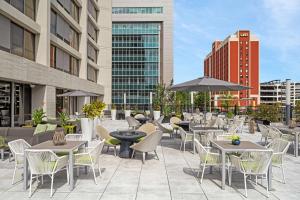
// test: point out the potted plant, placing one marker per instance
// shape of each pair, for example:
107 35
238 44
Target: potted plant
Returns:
156 110
37 116
235 140
127 111
87 123
99 107
113 112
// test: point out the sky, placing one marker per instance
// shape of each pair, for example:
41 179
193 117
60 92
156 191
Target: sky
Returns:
275 22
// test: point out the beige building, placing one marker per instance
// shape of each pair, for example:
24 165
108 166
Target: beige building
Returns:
48 47
142 49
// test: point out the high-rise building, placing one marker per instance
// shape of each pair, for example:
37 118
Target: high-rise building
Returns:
236 59
48 47
272 92
142 49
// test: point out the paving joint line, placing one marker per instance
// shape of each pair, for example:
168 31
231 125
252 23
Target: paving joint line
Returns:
162 149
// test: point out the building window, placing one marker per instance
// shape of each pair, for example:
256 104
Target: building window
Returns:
5 34
63 30
92 10
25 6
92 31
71 7
29 45
137 10
92 53
17 40
61 60
92 74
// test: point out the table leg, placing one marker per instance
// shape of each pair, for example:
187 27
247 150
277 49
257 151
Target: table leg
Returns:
2 154
25 173
223 169
270 177
296 144
71 167
86 168
194 135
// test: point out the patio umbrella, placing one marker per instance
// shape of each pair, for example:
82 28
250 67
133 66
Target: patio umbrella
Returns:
208 84
77 93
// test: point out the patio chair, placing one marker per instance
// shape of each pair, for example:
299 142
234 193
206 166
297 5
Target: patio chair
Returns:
252 163
132 122
185 137
279 148
173 122
147 128
90 158
73 137
207 158
18 147
264 132
148 144
45 162
208 116
109 141
223 137
166 128
137 116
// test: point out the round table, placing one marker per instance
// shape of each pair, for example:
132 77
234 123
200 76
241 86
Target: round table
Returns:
185 125
127 138
142 120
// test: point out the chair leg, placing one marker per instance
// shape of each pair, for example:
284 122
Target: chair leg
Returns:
184 146
13 179
229 175
245 183
30 185
107 149
132 153
282 171
144 155
94 175
180 145
68 176
42 179
52 179
203 170
267 186
199 170
156 154
99 168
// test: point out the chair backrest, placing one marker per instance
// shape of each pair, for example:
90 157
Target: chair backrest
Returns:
18 146
73 137
41 161
263 129
182 133
187 116
279 145
96 151
148 128
132 122
174 120
202 152
137 116
150 142
197 118
102 132
163 128
212 122
233 128
274 132
256 162
220 122
208 116
223 137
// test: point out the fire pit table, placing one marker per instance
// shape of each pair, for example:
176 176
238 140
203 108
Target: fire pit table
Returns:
127 138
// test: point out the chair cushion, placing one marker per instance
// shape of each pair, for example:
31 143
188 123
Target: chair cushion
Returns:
51 127
40 128
113 141
82 159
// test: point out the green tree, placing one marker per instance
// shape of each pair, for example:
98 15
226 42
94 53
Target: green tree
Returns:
227 101
297 111
200 98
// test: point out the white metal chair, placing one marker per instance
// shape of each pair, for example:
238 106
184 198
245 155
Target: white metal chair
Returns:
206 158
185 137
45 162
90 158
148 144
18 147
264 132
73 137
252 163
279 147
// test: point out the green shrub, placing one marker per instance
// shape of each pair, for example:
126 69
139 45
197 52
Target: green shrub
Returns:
37 116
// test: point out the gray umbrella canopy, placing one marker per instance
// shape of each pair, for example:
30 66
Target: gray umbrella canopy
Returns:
78 93
207 84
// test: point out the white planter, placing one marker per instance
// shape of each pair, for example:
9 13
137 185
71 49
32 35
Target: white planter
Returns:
87 126
156 114
113 114
97 122
127 113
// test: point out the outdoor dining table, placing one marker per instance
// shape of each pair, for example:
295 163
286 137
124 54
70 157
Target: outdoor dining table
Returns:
295 132
69 148
142 120
127 138
203 130
185 125
245 146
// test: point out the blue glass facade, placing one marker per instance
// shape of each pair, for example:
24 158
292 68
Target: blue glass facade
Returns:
136 58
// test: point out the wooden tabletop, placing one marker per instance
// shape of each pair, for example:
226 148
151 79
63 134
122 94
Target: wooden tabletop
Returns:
69 146
243 146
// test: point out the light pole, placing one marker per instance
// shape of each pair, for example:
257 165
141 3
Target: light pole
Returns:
192 101
288 101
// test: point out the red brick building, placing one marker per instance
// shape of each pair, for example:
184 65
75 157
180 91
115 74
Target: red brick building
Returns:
236 59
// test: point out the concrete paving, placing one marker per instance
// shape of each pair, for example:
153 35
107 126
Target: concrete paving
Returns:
172 177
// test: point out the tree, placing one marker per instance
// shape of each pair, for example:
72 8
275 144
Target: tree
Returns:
227 101
200 98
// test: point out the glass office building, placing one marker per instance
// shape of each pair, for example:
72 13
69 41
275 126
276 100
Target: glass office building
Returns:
135 62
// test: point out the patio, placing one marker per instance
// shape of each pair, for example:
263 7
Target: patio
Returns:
171 177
